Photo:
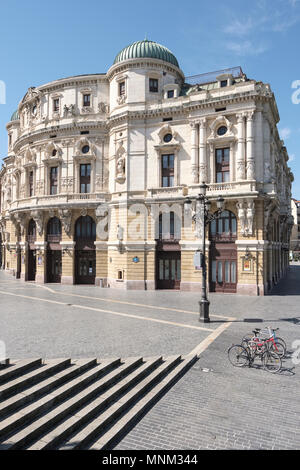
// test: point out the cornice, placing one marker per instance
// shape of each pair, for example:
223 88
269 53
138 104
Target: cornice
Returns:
142 62
65 131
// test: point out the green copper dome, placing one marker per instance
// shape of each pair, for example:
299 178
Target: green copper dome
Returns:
146 48
15 116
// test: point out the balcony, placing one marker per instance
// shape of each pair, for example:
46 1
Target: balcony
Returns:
240 188
56 200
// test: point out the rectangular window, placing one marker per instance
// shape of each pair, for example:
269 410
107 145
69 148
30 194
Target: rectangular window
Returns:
9 139
56 105
222 165
153 85
31 183
121 88
167 164
86 100
170 93
85 178
53 180
223 83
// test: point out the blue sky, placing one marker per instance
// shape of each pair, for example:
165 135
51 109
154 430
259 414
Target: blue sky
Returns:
45 40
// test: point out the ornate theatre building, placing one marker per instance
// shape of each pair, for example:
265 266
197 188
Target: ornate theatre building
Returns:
99 167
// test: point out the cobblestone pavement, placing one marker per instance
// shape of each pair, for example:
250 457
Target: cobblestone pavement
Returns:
215 405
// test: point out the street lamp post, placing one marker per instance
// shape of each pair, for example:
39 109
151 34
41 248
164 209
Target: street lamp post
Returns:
203 217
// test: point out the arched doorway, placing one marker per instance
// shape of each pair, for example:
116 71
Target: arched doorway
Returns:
85 252
168 253
223 254
54 263
31 258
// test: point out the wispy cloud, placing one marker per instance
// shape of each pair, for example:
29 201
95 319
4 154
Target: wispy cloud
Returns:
285 133
243 48
292 157
263 18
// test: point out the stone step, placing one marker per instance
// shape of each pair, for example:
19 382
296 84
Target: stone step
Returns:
4 362
34 410
87 405
99 425
32 377
44 421
127 420
52 439
17 368
49 384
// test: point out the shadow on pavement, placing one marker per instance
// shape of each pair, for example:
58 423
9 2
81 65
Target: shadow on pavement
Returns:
290 284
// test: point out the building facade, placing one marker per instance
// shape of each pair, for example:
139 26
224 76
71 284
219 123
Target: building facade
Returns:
295 234
99 166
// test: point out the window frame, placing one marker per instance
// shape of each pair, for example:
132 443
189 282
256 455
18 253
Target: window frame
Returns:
85 180
153 85
53 181
168 171
222 168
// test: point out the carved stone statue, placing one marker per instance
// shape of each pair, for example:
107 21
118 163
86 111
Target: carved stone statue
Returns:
241 216
38 218
66 218
250 217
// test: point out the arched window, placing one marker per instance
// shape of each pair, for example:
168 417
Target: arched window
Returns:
53 229
85 228
31 234
224 228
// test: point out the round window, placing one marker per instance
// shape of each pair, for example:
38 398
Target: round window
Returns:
222 130
85 149
34 110
168 138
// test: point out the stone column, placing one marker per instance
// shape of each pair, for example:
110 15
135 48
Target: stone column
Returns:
267 150
202 149
250 145
194 151
240 160
212 163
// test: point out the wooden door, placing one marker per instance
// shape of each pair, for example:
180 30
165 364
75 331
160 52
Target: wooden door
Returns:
31 265
223 268
85 266
223 254
168 270
54 266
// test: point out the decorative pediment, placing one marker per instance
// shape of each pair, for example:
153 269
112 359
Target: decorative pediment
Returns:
84 148
53 154
221 121
30 158
31 95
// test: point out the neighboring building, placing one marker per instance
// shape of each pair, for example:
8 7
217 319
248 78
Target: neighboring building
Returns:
83 150
295 234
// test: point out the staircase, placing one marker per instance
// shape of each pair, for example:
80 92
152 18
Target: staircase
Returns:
79 404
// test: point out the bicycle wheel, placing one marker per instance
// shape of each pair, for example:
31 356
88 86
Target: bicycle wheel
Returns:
280 340
238 355
278 347
271 361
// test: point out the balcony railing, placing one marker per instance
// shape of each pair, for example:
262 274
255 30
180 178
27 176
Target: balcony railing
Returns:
56 199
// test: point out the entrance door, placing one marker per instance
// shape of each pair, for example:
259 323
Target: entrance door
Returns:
85 266
168 269
223 269
31 265
54 266
223 254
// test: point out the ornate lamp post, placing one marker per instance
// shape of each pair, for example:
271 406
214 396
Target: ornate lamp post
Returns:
203 218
